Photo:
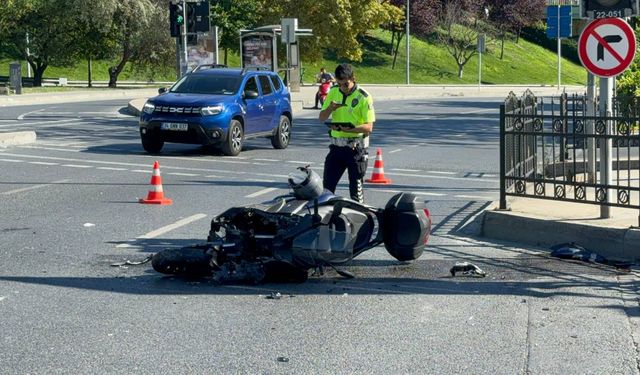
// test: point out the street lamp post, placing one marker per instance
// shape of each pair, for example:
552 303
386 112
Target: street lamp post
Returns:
407 32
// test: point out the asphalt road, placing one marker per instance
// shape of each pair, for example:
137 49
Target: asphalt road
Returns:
68 206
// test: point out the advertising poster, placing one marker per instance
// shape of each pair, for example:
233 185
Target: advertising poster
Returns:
201 52
257 51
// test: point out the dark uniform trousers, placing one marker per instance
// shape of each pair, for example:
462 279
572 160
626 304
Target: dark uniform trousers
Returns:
352 159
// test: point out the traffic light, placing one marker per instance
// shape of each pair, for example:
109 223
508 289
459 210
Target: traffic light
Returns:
609 8
176 19
198 17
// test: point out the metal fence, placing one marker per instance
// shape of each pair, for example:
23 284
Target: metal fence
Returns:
560 149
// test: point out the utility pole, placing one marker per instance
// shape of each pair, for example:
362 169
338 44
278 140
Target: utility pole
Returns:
183 32
407 32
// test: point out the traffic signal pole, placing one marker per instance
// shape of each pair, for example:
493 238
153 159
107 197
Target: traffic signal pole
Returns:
183 36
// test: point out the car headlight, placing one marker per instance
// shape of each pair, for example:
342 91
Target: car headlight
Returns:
211 110
148 108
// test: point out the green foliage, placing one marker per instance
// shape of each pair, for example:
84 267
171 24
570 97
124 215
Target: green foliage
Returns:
628 84
523 63
336 24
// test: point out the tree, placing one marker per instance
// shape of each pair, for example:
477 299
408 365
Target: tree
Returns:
240 15
460 31
513 15
336 24
50 31
423 20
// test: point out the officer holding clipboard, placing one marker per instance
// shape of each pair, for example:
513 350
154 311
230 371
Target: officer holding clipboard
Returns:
352 116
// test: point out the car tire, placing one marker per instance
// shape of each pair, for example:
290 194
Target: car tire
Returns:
152 145
235 136
282 135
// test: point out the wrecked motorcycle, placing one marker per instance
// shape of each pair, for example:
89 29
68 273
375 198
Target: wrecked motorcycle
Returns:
311 228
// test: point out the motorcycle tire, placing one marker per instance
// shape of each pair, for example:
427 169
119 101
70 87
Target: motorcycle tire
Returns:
187 262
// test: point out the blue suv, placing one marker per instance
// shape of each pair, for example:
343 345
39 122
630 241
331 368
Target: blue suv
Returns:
218 107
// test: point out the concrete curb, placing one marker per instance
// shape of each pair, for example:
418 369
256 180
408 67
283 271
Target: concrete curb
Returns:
610 242
17 138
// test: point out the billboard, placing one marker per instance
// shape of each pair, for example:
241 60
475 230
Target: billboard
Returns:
201 52
257 51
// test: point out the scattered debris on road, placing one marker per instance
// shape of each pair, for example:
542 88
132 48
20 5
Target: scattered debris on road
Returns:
467 269
132 263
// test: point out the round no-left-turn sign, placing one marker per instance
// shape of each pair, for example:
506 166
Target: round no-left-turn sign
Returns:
607 47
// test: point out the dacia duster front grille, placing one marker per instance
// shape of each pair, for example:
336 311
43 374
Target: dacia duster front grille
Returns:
178 110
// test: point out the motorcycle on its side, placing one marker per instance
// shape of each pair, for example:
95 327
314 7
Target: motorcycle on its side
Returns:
281 240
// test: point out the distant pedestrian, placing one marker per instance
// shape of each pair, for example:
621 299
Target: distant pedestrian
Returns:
352 116
325 80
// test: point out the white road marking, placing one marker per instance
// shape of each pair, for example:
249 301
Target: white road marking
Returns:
260 192
12 160
183 174
445 177
167 228
76 166
2 298
112 169
300 162
141 171
473 197
413 192
41 163
436 172
21 117
405 170
394 151
33 187
265 159
258 180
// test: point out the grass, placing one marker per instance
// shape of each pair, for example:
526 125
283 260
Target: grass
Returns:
523 63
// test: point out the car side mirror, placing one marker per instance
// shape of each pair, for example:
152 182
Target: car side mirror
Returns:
162 90
250 94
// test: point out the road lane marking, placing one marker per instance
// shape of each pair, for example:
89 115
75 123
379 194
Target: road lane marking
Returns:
112 169
183 174
21 117
413 192
166 228
265 159
33 187
394 151
41 163
260 192
12 160
300 162
445 177
77 166
473 197
405 170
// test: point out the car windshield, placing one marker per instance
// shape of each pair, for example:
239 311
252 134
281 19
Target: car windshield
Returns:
207 84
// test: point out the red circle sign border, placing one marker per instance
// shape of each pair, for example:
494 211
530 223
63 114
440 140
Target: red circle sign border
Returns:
582 47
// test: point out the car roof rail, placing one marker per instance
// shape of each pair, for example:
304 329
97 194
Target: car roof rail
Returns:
256 68
208 66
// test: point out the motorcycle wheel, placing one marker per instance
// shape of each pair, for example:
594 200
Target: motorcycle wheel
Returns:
188 262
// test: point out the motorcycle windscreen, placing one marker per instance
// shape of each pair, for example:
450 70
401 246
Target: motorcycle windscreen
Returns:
323 245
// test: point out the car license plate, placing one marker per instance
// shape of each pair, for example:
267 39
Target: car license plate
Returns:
174 126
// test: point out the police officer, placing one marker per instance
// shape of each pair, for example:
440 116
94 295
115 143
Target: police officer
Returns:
352 116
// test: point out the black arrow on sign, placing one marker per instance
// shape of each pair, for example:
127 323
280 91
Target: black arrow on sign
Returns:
609 39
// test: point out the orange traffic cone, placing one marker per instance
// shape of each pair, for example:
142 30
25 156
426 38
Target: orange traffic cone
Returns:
156 195
377 177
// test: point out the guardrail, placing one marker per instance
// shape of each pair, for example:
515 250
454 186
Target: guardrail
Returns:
552 150
28 82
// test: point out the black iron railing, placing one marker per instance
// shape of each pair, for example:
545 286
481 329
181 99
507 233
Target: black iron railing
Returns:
553 150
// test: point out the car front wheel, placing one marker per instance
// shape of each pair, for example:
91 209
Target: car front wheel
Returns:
233 144
152 145
282 136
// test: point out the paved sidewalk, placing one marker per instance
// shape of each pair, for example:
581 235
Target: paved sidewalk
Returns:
532 221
